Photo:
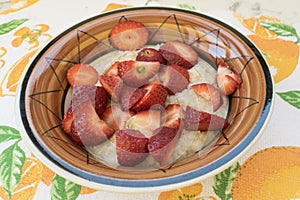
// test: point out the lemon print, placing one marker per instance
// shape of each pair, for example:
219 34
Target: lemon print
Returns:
30 179
272 173
9 83
282 55
253 25
15 5
114 6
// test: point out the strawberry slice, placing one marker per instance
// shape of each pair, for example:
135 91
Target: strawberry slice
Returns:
87 128
113 69
162 144
129 35
227 80
113 85
179 53
131 147
209 93
154 98
115 117
150 55
137 73
96 94
174 78
173 117
130 96
203 121
145 121
82 74
68 120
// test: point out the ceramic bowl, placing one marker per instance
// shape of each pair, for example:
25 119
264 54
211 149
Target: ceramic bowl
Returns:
44 88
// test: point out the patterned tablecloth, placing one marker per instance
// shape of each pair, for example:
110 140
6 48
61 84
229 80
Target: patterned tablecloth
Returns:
269 170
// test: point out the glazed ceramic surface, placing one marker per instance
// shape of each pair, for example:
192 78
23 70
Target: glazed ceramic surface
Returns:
44 88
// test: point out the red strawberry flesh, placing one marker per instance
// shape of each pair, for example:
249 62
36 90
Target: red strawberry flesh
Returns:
96 94
174 78
113 85
203 121
173 117
129 35
228 81
82 74
179 53
87 128
137 73
130 96
154 98
150 55
131 147
162 144
209 93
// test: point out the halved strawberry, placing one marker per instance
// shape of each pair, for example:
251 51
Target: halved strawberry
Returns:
173 117
96 94
162 144
129 35
203 121
150 55
68 120
130 96
155 98
174 78
227 80
137 73
87 128
209 93
131 147
115 117
179 53
113 69
82 74
145 121
113 85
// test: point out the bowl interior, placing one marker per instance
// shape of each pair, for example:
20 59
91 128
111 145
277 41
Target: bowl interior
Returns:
45 87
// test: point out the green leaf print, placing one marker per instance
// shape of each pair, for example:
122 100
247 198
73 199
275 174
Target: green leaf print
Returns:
11 162
8 133
11 25
291 97
223 182
62 189
281 29
186 6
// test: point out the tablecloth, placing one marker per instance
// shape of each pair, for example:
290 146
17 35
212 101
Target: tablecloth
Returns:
269 170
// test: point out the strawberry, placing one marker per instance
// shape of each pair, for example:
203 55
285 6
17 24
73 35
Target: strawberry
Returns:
154 98
203 121
137 73
174 78
179 53
227 80
131 147
82 74
130 96
67 121
96 94
145 121
115 117
209 93
150 55
113 69
128 35
162 144
113 85
87 128
173 117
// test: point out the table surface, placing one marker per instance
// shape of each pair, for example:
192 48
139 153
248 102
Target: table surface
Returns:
270 169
